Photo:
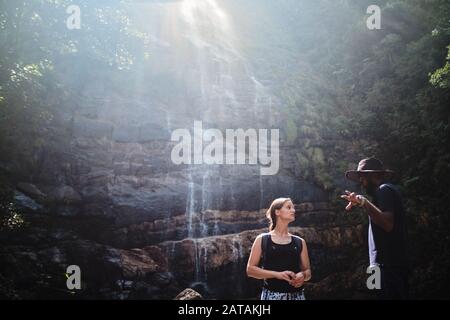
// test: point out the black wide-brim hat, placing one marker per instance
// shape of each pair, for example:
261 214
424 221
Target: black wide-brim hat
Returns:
368 165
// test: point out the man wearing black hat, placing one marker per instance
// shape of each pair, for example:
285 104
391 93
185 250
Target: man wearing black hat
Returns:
387 226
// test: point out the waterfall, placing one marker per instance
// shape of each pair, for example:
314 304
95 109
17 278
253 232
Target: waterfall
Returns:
261 192
196 44
190 206
205 204
208 29
200 275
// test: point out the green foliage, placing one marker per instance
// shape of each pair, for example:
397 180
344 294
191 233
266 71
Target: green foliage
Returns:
441 77
44 65
10 218
291 131
353 92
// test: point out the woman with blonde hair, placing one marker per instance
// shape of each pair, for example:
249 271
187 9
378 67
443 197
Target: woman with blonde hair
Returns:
285 261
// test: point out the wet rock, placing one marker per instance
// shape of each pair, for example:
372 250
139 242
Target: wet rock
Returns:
218 222
84 127
128 133
137 263
65 195
26 202
188 294
106 271
66 211
31 191
348 284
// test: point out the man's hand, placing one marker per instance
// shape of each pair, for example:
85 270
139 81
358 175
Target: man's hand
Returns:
352 198
298 280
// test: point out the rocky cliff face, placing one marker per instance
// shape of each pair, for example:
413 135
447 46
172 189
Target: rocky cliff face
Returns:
156 259
104 194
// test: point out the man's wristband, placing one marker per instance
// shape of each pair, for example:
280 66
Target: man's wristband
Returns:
361 200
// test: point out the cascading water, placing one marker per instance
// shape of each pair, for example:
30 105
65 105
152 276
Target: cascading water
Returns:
227 92
190 207
205 187
200 282
208 29
199 47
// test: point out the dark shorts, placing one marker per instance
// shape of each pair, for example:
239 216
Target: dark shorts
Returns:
394 283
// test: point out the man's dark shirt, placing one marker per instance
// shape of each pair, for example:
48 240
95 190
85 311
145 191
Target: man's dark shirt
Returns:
388 249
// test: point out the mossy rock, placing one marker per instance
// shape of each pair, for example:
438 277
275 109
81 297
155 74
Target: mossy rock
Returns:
291 131
316 155
324 178
302 160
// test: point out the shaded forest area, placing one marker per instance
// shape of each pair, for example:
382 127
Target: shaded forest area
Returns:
386 92
388 95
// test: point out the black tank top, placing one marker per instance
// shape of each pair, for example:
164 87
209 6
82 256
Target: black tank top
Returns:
281 257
